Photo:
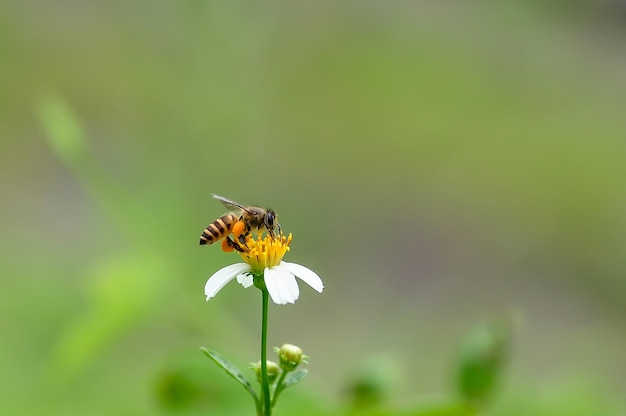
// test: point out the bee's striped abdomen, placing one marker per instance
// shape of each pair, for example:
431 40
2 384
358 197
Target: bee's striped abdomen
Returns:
218 229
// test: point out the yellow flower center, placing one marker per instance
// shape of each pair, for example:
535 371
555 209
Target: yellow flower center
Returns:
265 251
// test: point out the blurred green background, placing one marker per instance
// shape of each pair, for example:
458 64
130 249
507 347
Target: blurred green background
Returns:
440 164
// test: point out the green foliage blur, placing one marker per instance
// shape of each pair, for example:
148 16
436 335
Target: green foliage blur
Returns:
440 165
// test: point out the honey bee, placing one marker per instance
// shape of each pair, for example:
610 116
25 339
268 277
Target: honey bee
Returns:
240 222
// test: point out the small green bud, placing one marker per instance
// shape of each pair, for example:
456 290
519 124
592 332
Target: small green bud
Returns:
290 357
273 371
482 360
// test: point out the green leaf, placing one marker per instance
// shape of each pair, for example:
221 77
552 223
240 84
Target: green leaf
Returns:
232 370
63 130
294 378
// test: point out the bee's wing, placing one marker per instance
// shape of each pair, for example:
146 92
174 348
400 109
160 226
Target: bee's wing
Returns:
230 204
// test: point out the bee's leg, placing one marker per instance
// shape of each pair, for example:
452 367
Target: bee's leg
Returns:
242 238
234 244
272 232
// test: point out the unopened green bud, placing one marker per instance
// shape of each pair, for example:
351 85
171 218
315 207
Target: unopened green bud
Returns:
273 371
483 359
290 357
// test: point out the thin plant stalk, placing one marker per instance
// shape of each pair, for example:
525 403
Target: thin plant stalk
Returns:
279 387
265 379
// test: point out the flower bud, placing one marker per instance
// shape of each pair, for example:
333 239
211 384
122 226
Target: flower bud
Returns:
272 371
290 356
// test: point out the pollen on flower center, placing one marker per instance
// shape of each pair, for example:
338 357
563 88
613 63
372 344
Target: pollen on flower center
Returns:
265 251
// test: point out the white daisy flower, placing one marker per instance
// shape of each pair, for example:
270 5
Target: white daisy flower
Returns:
263 257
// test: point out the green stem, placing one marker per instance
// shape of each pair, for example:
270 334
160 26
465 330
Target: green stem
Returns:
259 407
279 387
266 384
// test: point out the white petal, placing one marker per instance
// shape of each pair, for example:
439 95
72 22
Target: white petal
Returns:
273 285
290 280
306 275
223 276
245 279
279 286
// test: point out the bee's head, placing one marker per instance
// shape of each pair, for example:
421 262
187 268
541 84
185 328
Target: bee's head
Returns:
271 220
